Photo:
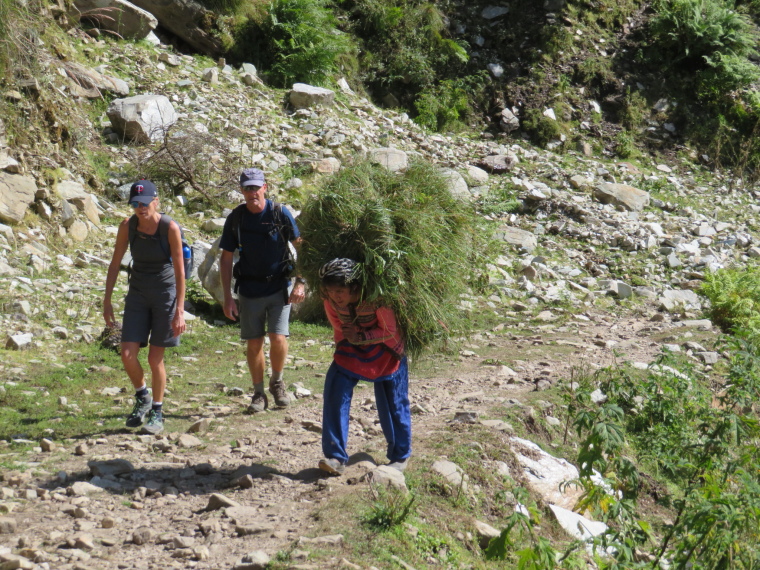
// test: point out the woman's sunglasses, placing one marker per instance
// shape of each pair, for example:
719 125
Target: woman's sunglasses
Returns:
135 204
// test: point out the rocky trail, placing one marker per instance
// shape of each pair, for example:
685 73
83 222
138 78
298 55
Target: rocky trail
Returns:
241 489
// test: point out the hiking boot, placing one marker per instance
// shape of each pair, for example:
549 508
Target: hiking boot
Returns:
154 423
259 403
281 398
331 466
399 465
142 407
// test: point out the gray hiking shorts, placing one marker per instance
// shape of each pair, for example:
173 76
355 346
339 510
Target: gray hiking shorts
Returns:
148 317
262 315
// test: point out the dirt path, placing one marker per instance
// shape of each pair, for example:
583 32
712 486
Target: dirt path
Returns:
164 508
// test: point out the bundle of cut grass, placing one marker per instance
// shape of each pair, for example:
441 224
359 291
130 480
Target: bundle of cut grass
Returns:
415 243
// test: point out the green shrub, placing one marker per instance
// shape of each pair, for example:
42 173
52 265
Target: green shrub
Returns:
388 507
596 72
686 32
725 74
625 145
542 129
404 47
635 110
734 298
296 41
448 104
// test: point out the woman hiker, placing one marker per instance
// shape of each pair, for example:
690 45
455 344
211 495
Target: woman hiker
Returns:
154 306
368 347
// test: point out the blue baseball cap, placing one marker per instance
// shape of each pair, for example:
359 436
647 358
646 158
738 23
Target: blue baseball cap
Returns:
143 191
252 177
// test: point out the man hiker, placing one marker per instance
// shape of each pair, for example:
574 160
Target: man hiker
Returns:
262 231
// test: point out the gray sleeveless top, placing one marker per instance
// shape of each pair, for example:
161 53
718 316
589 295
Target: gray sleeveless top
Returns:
150 265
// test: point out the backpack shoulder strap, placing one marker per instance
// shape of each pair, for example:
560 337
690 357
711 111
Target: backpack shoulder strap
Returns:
237 220
279 219
132 229
163 234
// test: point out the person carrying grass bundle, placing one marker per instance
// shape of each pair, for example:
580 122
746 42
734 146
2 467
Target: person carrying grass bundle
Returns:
154 307
368 347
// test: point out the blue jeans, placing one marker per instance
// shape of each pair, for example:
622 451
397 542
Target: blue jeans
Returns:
392 400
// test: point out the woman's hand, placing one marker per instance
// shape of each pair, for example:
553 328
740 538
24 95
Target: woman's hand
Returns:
178 322
108 315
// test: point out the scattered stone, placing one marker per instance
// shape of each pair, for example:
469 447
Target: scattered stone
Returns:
218 501
142 535
8 525
622 195
187 441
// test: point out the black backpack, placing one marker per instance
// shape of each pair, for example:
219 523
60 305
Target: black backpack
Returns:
280 221
163 240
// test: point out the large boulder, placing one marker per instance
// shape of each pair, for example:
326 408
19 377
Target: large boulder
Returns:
188 20
209 272
16 195
508 122
304 96
519 238
499 163
119 16
90 82
621 195
142 118
391 158
456 183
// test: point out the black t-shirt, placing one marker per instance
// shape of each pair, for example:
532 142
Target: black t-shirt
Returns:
263 256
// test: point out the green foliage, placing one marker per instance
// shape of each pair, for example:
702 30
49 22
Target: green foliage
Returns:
542 129
388 507
689 32
405 49
714 493
417 244
296 41
19 30
734 299
725 73
635 110
626 145
521 530
446 105
596 72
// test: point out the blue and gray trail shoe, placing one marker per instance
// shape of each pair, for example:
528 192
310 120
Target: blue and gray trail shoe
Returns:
142 407
155 422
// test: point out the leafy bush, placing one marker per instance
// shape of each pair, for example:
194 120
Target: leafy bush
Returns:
296 41
541 128
725 74
418 245
635 110
687 32
404 49
734 298
626 145
715 497
446 106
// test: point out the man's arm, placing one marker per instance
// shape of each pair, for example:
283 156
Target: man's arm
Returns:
298 294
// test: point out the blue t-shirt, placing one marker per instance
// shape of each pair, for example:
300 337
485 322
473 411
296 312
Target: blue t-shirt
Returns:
263 255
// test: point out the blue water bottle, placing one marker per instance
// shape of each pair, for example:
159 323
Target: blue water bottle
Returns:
186 253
